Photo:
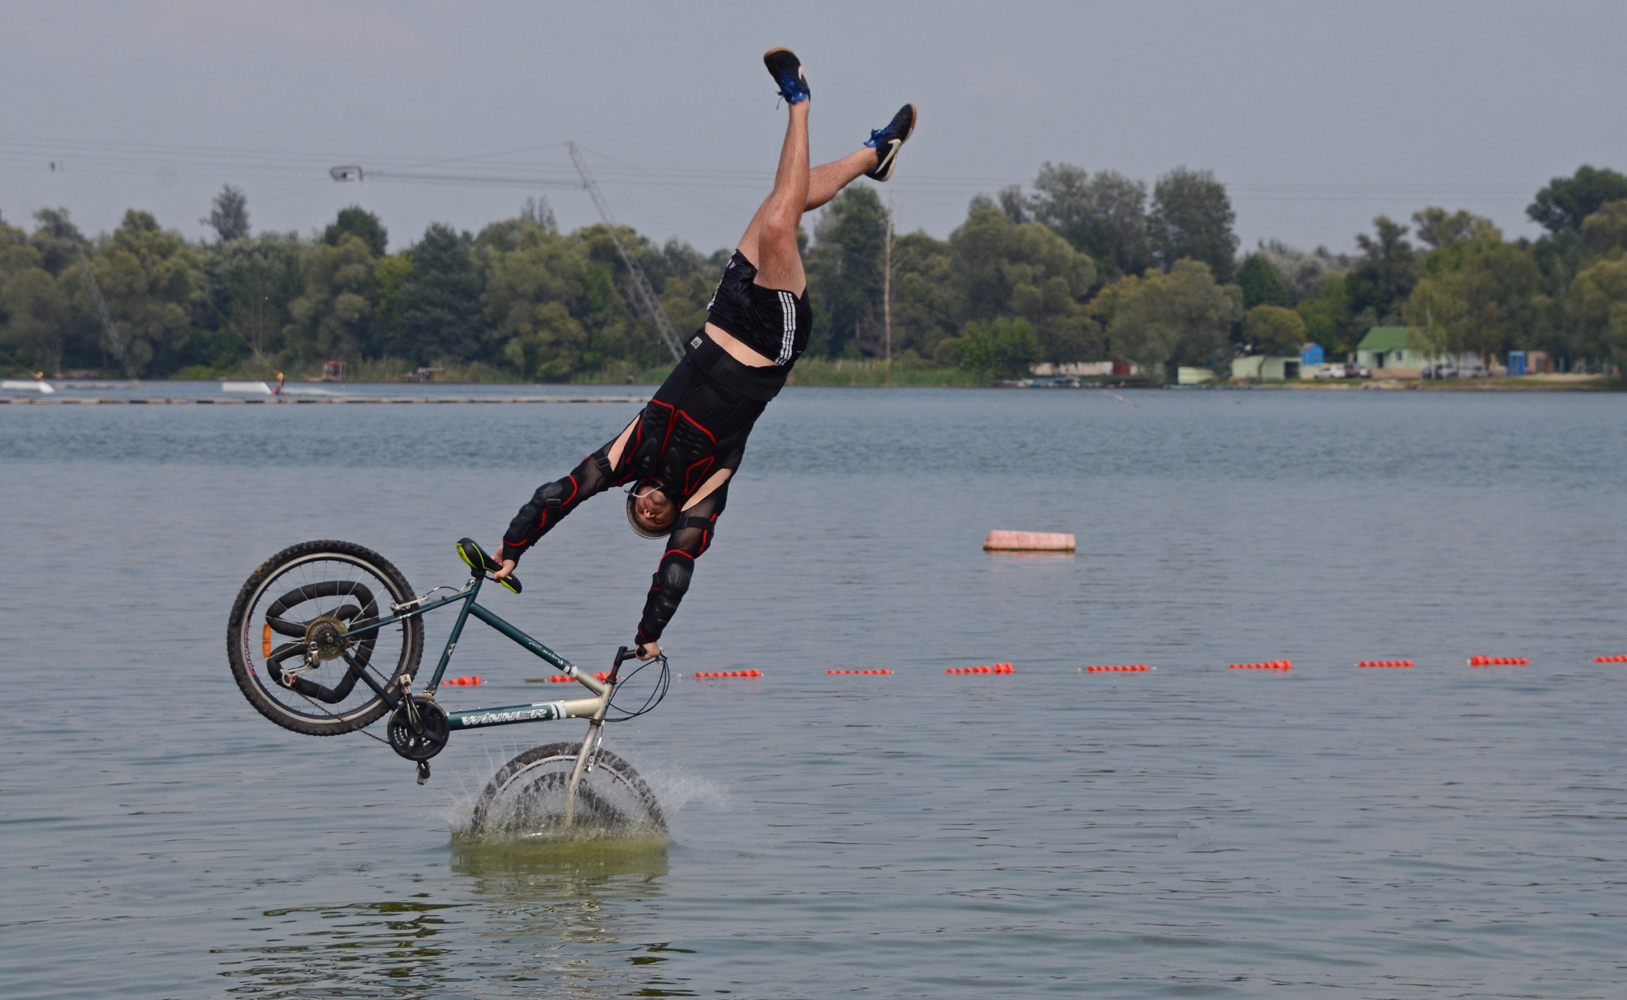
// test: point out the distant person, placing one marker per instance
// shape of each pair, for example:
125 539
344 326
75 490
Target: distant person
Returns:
679 452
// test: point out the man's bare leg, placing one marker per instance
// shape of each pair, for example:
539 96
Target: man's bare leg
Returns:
770 242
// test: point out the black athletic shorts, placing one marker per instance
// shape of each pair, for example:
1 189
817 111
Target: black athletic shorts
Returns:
772 322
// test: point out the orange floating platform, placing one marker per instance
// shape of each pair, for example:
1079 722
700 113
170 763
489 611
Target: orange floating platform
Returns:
1385 663
1499 661
1271 665
858 671
729 673
1027 541
1610 659
602 675
1134 667
463 681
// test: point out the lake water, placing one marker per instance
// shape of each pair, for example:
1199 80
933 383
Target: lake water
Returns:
1191 831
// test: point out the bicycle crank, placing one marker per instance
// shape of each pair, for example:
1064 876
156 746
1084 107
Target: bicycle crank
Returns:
418 732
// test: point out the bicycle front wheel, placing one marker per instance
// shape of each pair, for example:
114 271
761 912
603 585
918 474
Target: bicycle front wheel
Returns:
526 798
293 639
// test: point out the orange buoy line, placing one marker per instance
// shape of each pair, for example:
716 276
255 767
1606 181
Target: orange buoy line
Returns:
463 681
1385 663
1132 666
729 673
991 668
1610 659
602 675
1273 665
858 671
1499 661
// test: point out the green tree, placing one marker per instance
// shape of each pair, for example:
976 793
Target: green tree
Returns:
1385 273
1192 218
250 285
552 309
997 267
1183 317
1328 319
150 281
1566 201
229 214
844 270
335 313
1262 283
360 223
994 259
926 305
1437 228
38 317
1274 330
1606 230
1002 347
439 302
56 237
1598 305
1104 216
1437 316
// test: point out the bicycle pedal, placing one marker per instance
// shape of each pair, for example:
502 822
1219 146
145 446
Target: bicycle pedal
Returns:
423 772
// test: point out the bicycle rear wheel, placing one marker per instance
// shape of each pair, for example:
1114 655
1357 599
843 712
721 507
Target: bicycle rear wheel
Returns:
525 799
294 619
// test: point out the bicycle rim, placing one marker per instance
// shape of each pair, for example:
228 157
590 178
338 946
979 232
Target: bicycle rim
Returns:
526 799
312 601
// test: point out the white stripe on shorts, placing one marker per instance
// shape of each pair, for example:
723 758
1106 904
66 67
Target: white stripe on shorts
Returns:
788 308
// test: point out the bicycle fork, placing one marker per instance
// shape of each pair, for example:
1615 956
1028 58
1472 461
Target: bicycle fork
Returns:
590 746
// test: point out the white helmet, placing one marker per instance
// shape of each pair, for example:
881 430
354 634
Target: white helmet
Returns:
633 493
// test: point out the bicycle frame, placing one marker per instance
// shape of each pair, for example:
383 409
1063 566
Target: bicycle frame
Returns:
396 693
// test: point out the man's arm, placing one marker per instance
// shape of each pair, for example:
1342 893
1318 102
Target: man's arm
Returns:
550 503
691 536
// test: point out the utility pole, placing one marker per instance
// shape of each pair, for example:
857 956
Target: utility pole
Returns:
641 284
887 292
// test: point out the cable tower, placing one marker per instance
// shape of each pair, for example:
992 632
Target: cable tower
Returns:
641 284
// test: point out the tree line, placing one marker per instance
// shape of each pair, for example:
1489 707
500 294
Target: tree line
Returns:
1077 267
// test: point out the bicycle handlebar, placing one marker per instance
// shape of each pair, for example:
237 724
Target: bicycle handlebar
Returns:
623 654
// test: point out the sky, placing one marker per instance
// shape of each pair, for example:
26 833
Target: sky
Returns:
1316 116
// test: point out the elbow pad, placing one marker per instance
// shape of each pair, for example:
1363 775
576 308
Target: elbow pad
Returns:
539 514
667 589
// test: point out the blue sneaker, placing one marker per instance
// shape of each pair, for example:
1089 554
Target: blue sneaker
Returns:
786 70
887 141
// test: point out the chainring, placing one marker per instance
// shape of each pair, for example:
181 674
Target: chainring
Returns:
430 740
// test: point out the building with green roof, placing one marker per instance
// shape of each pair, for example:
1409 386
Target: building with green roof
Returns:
1385 348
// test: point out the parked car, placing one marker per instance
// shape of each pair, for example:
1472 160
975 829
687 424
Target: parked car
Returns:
1353 370
1440 371
1329 371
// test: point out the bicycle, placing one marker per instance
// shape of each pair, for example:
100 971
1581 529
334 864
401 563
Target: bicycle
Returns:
340 639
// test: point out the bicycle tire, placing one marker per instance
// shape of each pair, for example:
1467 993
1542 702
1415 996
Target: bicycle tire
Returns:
612 798
252 604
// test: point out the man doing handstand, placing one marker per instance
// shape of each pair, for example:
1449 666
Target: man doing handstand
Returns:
680 451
